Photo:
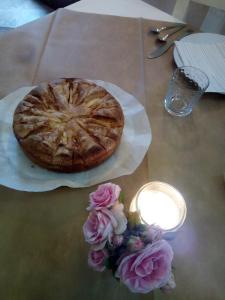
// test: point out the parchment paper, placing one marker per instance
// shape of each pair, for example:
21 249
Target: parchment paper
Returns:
18 172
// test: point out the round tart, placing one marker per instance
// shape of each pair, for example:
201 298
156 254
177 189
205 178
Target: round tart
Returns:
68 125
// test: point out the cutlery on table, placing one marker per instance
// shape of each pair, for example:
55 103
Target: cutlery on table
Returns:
162 49
164 28
163 38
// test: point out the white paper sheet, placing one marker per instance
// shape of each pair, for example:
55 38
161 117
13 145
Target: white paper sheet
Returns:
19 173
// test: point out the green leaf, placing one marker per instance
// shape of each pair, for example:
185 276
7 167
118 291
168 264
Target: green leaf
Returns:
134 219
122 198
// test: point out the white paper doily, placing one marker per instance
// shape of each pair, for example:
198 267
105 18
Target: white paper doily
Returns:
19 173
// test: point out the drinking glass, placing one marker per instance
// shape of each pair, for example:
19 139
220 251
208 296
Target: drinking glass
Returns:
186 87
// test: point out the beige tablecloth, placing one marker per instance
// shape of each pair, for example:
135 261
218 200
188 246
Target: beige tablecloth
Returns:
43 254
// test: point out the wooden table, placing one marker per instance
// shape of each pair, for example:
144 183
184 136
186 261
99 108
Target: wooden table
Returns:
43 254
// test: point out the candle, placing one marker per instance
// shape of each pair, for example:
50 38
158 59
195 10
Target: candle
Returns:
160 204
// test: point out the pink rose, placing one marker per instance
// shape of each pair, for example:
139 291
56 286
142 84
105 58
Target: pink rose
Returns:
102 224
96 259
105 196
121 221
135 243
153 233
98 228
148 268
116 240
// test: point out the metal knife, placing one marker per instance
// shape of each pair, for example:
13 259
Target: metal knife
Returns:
162 49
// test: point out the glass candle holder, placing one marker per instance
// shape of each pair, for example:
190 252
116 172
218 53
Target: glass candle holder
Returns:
160 204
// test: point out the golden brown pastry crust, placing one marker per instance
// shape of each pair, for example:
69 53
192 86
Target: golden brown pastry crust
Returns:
68 125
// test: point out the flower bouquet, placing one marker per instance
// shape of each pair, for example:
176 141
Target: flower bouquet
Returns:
137 254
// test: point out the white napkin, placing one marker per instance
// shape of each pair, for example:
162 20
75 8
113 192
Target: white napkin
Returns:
210 58
18 172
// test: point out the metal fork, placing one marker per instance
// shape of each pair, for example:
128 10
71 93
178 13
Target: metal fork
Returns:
163 38
163 28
